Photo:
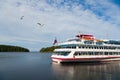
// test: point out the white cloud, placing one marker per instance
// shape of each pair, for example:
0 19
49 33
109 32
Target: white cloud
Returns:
62 22
107 8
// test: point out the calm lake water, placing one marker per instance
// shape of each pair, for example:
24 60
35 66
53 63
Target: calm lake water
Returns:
38 66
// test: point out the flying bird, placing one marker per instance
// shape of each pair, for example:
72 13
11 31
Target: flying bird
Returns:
40 24
22 17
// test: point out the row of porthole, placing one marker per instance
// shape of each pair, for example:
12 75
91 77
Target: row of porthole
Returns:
97 53
95 47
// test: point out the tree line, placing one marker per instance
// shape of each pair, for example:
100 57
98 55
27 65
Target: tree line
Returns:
49 49
8 48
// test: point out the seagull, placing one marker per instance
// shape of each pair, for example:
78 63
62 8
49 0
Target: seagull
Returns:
21 17
40 24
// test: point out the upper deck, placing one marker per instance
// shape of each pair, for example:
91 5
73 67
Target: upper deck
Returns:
84 39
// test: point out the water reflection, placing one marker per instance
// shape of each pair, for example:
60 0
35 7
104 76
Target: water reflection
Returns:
77 71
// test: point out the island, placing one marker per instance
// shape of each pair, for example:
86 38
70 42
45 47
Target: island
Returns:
9 48
49 49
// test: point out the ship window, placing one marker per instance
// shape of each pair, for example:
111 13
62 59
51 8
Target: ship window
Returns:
98 47
118 47
102 47
108 47
99 43
116 53
110 53
86 47
113 47
106 53
88 42
105 47
89 47
99 53
95 47
64 53
92 47
77 53
82 46
96 53
63 46
89 53
83 53
79 46
71 46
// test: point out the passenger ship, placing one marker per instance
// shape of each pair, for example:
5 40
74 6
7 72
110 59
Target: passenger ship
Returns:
86 48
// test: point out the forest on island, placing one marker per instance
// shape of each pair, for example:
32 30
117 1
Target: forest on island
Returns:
49 49
9 48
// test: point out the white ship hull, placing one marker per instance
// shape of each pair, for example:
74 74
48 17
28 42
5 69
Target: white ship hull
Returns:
86 59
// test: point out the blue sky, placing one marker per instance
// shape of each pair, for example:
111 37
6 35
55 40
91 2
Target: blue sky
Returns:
62 19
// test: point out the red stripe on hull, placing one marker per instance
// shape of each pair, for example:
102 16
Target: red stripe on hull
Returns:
105 59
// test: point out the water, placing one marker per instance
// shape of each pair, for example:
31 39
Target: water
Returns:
37 66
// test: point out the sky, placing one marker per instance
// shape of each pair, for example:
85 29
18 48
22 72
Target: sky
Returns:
62 19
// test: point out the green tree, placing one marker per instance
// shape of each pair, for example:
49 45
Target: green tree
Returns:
9 48
49 49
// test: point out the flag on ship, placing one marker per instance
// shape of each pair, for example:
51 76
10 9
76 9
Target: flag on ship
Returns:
55 41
